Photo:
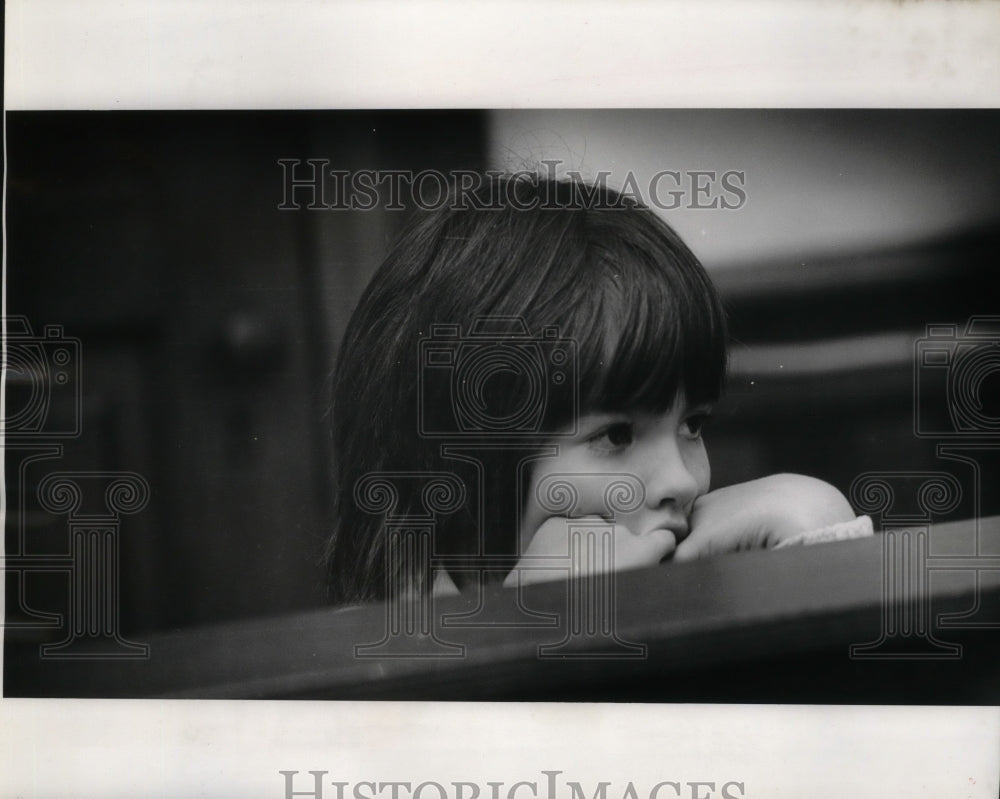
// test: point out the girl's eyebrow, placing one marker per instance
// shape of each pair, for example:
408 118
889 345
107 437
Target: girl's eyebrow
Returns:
587 422
601 417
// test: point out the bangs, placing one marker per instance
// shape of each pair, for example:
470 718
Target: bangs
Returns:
648 324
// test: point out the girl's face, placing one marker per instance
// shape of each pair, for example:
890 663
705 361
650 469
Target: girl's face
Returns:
664 453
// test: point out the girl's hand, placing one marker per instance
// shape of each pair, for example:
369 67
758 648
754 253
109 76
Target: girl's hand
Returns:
547 557
760 514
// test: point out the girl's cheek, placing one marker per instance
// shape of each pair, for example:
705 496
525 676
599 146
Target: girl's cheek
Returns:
701 468
592 491
573 484
706 481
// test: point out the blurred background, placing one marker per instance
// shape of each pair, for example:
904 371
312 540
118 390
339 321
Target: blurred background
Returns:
208 318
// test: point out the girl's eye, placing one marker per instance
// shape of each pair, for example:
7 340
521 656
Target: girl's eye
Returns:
613 437
695 424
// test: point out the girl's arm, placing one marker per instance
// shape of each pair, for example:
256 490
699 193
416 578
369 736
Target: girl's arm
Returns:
775 511
778 510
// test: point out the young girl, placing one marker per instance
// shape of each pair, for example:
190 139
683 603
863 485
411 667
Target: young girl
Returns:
534 333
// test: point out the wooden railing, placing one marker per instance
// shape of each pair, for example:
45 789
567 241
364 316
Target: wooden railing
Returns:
828 623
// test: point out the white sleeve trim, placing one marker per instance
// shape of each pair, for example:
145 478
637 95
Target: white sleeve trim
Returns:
860 527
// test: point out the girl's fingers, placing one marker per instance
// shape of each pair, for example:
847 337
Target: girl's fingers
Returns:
699 544
550 548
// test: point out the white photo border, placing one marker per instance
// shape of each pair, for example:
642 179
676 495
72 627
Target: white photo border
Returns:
285 54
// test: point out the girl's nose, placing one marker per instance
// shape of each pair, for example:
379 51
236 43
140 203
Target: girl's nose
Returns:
670 479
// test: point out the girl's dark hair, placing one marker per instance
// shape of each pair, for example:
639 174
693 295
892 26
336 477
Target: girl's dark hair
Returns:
604 271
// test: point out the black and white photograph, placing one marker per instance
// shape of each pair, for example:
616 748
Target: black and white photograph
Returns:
372 426
455 413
